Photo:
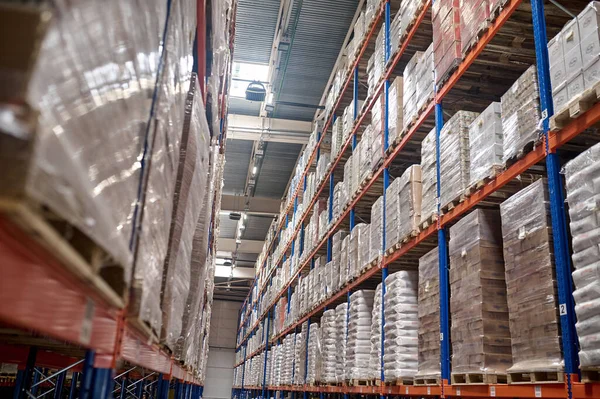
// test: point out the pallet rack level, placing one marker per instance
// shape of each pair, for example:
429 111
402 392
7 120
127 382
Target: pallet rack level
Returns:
551 142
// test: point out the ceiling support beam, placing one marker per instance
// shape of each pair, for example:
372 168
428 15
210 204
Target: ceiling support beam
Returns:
243 127
247 246
250 205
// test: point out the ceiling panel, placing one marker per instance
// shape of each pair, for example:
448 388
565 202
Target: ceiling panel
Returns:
277 167
227 226
257 227
237 159
256 21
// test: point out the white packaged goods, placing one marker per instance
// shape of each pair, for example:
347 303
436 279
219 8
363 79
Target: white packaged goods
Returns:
338 269
299 356
479 311
372 9
376 231
337 135
375 356
329 342
401 326
428 176
358 346
392 214
395 114
348 170
408 13
314 354
375 137
583 195
429 316
322 166
341 320
573 56
363 243
424 73
376 64
344 261
485 144
454 156
354 246
409 98
530 281
409 202
446 37
357 159
289 350
521 115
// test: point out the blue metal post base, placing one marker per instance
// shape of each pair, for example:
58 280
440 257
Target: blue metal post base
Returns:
73 390
102 384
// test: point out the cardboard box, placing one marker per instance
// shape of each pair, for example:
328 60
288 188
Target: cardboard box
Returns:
429 316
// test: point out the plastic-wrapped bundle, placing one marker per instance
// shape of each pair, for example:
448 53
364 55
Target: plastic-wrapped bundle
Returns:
424 73
376 64
357 160
479 311
348 170
354 249
521 114
408 13
454 156
374 133
409 212
485 144
583 195
375 356
428 176
392 214
344 261
322 166
358 346
336 249
429 316
328 274
341 319
289 358
314 354
401 326
530 281
409 98
375 231
371 10
337 201
337 135
364 239
365 157
446 37
299 356
329 340
474 18
395 114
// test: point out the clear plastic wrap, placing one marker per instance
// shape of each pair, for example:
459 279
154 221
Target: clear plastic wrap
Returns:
409 82
485 145
392 214
409 212
348 177
358 345
329 340
376 231
583 196
354 250
479 311
474 18
429 316
363 243
446 17
401 326
341 319
374 371
454 156
395 114
299 357
313 374
338 269
424 77
530 281
428 176
521 114
344 261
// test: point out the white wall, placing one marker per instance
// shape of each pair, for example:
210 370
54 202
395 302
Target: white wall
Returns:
221 355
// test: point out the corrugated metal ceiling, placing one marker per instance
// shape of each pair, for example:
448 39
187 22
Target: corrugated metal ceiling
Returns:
237 160
277 167
257 227
241 106
256 21
227 226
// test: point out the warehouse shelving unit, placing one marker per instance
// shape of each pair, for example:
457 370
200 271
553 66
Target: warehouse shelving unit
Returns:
432 115
54 320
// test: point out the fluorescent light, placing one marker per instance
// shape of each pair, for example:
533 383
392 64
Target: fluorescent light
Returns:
222 271
254 170
245 216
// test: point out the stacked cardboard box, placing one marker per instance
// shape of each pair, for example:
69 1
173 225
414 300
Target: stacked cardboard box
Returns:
485 144
375 231
358 347
425 87
392 214
574 56
409 96
408 13
329 341
521 114
530 281
372 9
375 357
341 320
401 326
583 195
376 64
344 261
429 316
454 156
375 134
409 202
428 176
395 114
474 18
479 311
447 46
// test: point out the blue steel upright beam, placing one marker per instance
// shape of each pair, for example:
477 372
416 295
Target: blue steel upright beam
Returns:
102 384
264 385
87 372
354 139
60 383
73 389
443 261
19 383
560 236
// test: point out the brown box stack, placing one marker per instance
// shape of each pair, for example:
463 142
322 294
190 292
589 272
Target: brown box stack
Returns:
530 281
479 311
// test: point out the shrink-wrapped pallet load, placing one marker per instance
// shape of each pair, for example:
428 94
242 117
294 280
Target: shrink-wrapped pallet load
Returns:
401 326
339 269
341 320
454 157
348 170
356 246
485 145
474 19
408 12
409 202
582 175
375 354
392 214
409 97
530 282
428 177
429 318
375 231
344 261
521 116
375 134
446 17
364 249
424 76
329 340
395 113
314 354
479 311
358 346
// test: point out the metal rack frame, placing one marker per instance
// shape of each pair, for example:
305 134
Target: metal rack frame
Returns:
571 388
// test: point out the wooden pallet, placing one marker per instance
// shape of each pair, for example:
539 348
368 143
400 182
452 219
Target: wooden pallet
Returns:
536 377
452 204
527 148
392 249
494 172
575 107
448 73
477 378
400 381
76 252
360 383
481 30
431 220
590 374
498 9
429 380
